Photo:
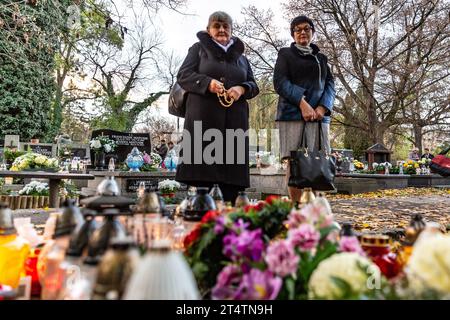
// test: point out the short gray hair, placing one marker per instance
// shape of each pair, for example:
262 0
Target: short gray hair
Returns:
221 17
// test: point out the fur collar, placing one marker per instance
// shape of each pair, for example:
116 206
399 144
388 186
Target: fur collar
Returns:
233 53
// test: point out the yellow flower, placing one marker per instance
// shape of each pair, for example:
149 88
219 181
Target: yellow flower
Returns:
416 165
405 165
410 162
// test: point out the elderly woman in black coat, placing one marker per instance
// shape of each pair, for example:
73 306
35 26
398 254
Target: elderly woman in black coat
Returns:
219 81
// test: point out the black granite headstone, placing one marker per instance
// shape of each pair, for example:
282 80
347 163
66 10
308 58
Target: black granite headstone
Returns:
79 152
44 149
348 154
125 142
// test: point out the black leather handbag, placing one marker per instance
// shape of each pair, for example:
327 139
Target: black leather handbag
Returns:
312 169
177 101
178 97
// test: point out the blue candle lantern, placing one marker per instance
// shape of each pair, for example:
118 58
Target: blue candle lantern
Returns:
135 160
171 163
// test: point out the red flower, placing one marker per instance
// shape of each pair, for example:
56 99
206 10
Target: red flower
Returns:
258 207
192 237
210 215
270 199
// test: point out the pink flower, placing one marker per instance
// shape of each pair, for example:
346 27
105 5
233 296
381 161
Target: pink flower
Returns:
350 244
295 219
281 258
259 285
326 221
305 237
147 158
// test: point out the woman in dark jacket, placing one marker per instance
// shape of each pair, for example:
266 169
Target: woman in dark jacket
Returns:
306 91
212 150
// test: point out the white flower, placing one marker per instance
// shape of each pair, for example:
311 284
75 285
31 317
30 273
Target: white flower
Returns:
95 144
107 148
170 185
348 266
40 160
374 165
429 264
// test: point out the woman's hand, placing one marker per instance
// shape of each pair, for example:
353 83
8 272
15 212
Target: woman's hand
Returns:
216 86
320 112
235 92
308 113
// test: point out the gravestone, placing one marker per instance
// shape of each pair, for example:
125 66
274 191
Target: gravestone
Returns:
12 141
151 184
125 143
346 153
46 149
2 152
81 151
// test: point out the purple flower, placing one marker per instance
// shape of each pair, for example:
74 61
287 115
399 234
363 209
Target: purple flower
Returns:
228 281
305 237
259 285
247 244
239 226
220 225
350 244
147 158
281 258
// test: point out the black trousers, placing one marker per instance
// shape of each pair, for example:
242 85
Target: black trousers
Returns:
229 191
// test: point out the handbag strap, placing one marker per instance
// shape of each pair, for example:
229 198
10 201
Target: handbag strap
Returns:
304 144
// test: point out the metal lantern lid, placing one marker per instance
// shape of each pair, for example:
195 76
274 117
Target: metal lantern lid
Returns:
199 205
6 220
69 220
108 196
101 237
108 187
80 238
115 269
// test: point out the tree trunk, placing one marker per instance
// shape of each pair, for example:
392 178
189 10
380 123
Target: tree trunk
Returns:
418 135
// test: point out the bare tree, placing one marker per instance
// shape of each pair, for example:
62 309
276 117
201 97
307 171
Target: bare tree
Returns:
367 42
259 34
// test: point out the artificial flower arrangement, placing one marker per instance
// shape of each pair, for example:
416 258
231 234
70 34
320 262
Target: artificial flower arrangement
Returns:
102 144
381 167
168 186
358 165
274 251
35 188
152 161
34 161
410 167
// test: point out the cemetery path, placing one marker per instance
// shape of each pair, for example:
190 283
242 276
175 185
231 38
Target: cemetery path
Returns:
379 214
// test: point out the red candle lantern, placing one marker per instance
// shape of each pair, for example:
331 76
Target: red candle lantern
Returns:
31 270
378 250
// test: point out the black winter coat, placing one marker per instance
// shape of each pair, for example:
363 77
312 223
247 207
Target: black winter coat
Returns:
299 75
206 61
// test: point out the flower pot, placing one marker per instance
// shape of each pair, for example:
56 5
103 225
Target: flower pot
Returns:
168 195
46 201
35 204
41 202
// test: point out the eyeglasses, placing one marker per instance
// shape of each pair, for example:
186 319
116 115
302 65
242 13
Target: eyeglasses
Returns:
225 26
306 29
